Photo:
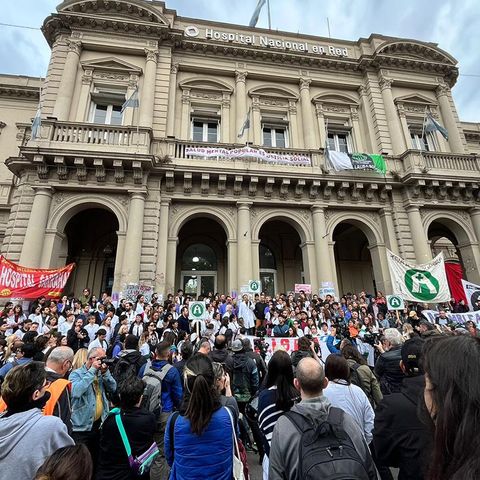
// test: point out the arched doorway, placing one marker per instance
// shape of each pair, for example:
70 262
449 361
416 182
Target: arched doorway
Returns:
91 242
201 257
353 260
280 257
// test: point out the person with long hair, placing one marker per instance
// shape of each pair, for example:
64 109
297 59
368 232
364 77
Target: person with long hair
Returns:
67 463
201 426
278 397
452 399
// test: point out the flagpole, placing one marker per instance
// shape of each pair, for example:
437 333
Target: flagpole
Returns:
269 16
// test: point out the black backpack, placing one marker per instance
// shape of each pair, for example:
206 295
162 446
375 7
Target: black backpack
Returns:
326 451
356 379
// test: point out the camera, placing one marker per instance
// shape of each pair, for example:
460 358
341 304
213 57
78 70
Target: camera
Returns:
107 361
261 345
371 338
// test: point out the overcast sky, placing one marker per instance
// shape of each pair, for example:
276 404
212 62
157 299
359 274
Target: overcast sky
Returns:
454 25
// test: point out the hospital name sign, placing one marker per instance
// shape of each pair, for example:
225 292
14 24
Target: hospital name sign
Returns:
265 41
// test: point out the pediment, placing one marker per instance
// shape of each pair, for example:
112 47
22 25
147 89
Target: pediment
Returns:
206 84
336 99
111 64
273 92
414 50
416 99
124 10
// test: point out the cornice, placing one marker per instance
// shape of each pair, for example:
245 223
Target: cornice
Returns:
16 91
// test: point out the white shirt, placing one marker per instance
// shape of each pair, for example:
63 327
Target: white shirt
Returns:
65 327
92 330
245 311
98 344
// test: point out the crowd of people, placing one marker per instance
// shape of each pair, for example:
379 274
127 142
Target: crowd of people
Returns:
140 390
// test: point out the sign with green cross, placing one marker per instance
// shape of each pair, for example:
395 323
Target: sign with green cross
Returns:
197 311
255 286
395 302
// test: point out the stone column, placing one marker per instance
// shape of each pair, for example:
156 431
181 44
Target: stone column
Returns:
117 276
170 286
162 246
420 241
370 129
403 121
389 230
475 216
309 264
394 127
240 104
292 116
172 92
256 121
37 223
454 139
67 84
225 136
185 126
256 260
244 243
84 99
357 135
321 124
133 239
147 97
232 265
129 112
307 116
380 268
322 251
51 252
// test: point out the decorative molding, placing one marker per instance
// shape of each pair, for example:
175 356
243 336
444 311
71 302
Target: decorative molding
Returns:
273 102
240 76
305 83
206 95
442 89
174 68
385 83
151 55
74 46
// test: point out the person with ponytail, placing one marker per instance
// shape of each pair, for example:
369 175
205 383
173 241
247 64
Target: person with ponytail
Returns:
452 399
199 438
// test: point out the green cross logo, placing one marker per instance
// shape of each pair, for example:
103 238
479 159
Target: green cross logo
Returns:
253 286
395 302
421 284
197 310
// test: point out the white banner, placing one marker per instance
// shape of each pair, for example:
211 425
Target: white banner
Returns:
472 292
454 317
247 152
132 290
425 283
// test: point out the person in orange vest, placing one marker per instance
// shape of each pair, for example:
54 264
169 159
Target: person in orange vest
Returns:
58 365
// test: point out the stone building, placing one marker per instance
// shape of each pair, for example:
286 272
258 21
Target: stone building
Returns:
118 193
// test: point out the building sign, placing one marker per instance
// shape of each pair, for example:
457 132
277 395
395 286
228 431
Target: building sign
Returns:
21 282
265 41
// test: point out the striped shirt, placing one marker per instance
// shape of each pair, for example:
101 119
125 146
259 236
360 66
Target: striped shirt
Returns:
268 414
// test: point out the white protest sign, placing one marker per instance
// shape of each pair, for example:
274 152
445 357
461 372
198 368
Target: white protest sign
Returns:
395 302
255 286
454 317
197 311
305 287
472 292
132 290
327 288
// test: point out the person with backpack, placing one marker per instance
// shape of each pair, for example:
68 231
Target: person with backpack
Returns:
315 440
360 373
163 394
130 362
128 428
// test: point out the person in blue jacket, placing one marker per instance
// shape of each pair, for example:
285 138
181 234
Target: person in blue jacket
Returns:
199 439
333 342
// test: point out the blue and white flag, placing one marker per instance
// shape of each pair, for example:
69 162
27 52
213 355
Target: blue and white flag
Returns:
256 13
431 125
246 125
132 101
37 123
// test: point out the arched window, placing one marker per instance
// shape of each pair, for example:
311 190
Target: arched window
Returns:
199 257
267 258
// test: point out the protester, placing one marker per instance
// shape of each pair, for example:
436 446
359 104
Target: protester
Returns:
77 336
129 360
27 437
67 463
139 426
199 440
290 432
90 385
278 397
400 438
186 351
387 368
452 399
24 354
220 353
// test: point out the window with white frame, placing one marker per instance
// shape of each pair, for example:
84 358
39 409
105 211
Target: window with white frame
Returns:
106 107
422 141
340 141
205 130
274 136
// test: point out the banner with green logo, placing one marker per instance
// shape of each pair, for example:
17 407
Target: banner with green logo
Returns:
425 283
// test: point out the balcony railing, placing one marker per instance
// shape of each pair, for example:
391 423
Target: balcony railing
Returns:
448 161
76 135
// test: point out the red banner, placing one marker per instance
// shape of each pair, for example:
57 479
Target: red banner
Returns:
22 282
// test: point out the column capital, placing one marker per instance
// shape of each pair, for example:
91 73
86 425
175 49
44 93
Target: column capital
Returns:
354 113
413 208
137 194
401 110
362 90
74 46
475 211
174 68
442 90
385 83
318 208
385 211
43 190
319 110
244 205
151 54
240 76
305 83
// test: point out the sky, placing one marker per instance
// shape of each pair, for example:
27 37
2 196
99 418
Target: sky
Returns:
454 25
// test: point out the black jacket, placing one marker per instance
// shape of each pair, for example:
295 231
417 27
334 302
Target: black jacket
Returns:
222 356
388 371
400 439
63 407
76 343
259 310
261 366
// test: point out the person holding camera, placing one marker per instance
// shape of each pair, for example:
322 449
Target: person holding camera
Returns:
90 385
77 336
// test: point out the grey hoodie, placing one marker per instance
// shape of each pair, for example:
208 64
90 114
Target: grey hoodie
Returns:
284 458
26 440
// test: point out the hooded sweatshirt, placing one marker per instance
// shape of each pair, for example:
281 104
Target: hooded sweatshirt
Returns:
22 431
284 452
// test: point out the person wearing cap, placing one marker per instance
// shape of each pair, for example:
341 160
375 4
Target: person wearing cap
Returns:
400 438
413 318
245 380
100 340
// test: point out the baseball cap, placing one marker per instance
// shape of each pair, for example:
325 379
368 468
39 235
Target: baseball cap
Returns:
237 345
412 353
413 313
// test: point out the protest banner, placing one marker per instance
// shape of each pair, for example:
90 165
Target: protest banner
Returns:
472 292
132 290
305 287
430 315
28 283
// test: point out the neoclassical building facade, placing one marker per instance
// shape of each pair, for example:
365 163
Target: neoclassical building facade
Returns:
119 191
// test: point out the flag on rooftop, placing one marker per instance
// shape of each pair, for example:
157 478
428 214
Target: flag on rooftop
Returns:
431 125
132 101
246 125
256 13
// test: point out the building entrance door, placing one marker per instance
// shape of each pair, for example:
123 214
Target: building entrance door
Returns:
198 284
